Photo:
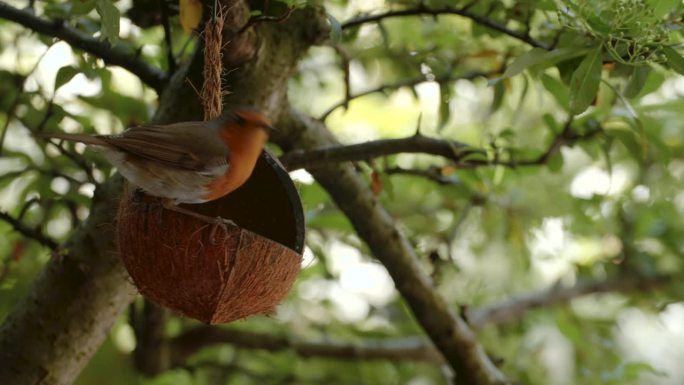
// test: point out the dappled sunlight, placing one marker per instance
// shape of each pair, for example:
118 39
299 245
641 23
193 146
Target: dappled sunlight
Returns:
657 339
595 181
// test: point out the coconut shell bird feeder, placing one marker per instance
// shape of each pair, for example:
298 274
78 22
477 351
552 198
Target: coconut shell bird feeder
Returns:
213 275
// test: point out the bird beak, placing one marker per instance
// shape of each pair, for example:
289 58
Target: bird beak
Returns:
269 129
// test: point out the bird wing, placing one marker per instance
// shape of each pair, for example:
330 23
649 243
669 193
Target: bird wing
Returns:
191 146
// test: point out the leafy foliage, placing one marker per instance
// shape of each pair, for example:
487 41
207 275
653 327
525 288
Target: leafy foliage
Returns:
573 107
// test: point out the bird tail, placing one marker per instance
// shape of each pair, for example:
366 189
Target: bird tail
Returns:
82 138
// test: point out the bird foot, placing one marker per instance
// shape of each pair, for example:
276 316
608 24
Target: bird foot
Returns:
222 223
216 222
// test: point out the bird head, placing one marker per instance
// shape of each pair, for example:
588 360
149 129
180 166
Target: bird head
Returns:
245 120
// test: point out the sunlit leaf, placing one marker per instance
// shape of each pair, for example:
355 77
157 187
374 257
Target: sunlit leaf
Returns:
539 58
190 14
64 75
109 19
663 7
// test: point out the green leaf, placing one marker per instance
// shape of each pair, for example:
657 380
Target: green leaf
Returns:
569 328
445 93
64 75
633 370
387 185
335 29
551 124
585 81
637 81
499 91
555 163
539 58
674 59
557 89
109 16
629 139
81 7
663 7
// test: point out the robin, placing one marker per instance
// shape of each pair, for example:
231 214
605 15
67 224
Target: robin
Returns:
187 162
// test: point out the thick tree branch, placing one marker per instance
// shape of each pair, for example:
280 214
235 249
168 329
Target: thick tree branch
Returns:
116 55
465 12
457 152
402 83
450 333
452 150
514 308
412 349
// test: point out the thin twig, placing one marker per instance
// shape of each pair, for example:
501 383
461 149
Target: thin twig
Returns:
432 173
75 158
28 232
422 9
345 64
400 349
171 61
17 98
513 308
405 83
265 19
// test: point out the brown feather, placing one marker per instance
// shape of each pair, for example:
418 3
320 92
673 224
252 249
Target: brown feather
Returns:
191 146
81 138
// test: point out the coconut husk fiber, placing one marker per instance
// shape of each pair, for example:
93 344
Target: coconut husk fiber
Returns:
174 261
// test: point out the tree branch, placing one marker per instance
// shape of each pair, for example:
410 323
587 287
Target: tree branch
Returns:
432 173
451 150
450 333
316 157
465 12
408 348
191 341
514 308
31 233
116 55
402 83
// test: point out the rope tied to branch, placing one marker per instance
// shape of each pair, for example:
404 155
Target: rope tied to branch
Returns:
212 94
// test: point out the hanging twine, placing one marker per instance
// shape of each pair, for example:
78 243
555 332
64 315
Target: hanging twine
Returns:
212 94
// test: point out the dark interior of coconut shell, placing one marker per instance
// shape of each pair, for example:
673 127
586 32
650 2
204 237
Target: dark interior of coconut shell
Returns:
267 204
